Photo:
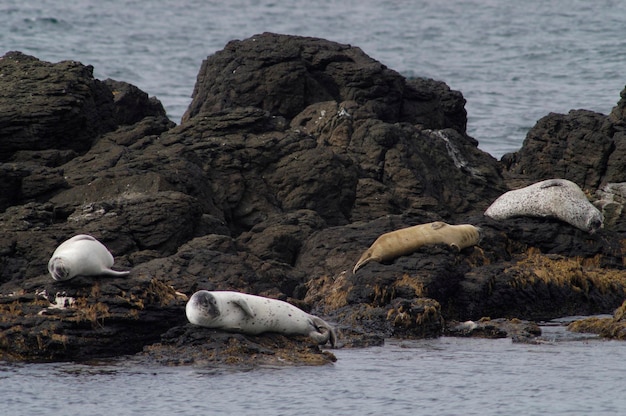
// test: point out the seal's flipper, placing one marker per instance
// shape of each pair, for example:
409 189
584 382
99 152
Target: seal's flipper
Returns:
243 304
111 272
365 258
324 333
437 225
551 183
80 237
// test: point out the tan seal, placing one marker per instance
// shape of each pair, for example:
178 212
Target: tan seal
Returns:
251 314
407 240
552 198
81 255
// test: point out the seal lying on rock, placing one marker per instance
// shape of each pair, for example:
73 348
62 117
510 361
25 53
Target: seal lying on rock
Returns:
81 255
407 240
251 314
556 198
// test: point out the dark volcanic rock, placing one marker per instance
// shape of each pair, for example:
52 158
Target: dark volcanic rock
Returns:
50 106
519 331
585 147
575 146
360 122
50 113
86 318
208 347
285 74
294 156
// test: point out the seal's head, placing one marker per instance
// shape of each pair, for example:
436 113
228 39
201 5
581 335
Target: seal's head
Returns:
58 269
595 221
202 308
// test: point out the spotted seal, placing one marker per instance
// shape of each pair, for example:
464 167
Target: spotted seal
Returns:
553 198
251 314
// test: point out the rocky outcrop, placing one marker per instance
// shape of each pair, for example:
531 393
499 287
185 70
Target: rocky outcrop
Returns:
283 75
611 328
293 157
585 147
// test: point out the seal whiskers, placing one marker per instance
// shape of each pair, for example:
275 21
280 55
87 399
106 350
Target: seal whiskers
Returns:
407 240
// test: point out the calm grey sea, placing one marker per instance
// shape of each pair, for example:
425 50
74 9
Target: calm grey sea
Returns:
445 376
514 62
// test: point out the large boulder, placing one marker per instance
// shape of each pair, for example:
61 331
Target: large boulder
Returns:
583 146
285 74
47 106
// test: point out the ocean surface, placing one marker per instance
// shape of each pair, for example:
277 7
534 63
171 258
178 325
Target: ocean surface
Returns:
566 375
513 61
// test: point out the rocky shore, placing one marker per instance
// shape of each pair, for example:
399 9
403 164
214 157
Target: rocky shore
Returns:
294 155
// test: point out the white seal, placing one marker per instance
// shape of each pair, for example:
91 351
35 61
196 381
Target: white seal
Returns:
251 314
81 255
556 198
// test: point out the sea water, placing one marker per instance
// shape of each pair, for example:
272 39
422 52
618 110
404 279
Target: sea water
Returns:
563 375
513 61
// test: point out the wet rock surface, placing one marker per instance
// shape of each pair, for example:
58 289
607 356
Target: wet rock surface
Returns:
293 157
607 327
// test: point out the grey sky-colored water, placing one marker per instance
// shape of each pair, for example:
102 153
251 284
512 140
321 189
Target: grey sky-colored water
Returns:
444 376
514 61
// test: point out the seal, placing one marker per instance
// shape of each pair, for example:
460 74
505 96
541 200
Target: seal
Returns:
552 198
251 314
407 240
81 255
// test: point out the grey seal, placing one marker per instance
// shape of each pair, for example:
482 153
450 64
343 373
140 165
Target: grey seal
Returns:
81 255
251 314
553 198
